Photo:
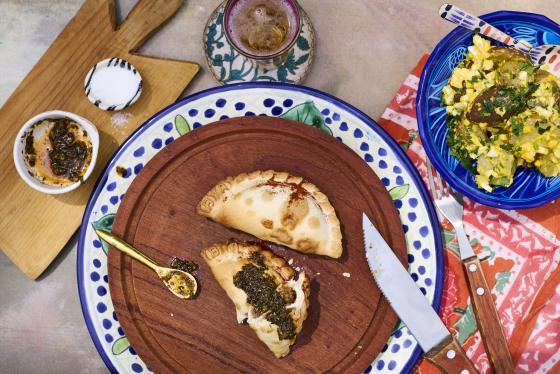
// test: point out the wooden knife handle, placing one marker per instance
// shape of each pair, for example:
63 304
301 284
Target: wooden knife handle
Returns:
450 358
487 318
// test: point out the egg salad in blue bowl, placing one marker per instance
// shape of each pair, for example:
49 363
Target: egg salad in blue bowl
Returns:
489 119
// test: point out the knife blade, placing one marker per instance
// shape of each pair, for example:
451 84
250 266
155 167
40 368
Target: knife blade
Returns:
411 305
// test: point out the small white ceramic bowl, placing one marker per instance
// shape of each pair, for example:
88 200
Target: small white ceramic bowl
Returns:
19 147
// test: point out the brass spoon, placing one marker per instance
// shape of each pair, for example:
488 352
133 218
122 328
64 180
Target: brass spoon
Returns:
180 283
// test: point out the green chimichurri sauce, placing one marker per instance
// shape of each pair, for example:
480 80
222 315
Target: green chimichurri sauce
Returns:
68 155
263 296
30 149
184 265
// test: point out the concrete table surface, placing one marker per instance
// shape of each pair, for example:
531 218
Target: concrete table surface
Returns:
365 50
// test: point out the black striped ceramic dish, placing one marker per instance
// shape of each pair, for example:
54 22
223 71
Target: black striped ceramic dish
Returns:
113 84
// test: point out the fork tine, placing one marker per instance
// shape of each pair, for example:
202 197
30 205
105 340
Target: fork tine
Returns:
441 185
431 179
456 194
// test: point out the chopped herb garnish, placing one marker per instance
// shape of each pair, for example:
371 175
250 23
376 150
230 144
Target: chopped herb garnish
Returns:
475 79
516 126
528 67
184 265
507 147
542 126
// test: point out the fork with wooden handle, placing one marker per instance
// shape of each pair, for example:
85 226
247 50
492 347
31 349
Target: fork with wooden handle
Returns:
450 205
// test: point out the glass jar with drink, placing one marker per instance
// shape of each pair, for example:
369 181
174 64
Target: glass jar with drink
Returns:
262 30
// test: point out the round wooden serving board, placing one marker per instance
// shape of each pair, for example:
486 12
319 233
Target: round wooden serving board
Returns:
349 321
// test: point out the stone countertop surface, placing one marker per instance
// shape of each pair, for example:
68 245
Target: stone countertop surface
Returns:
365 49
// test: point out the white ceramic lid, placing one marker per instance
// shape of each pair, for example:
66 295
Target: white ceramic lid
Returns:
113 84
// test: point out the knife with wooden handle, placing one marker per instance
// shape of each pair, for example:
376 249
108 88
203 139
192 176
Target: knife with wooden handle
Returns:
412 306
450 357
485 312
487 318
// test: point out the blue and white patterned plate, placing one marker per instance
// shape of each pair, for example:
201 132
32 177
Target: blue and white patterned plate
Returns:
354 128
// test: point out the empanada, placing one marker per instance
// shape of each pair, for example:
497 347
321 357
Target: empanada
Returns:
277 207
264 291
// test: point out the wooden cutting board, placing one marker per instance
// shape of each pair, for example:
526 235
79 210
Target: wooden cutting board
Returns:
34 226
349 321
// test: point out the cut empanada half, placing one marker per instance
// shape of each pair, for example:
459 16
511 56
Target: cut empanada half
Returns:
278 207
263 289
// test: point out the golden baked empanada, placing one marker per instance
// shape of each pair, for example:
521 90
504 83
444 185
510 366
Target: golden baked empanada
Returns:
277 207
264 291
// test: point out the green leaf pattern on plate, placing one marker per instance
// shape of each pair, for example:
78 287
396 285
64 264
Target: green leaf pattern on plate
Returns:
105 223
182 125
120 345
399 326
309 114
398 192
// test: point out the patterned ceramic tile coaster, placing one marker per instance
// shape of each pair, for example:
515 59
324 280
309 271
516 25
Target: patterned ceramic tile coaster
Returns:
347 124
229 66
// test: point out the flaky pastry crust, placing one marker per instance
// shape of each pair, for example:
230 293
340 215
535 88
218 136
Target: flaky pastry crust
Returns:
288 222
226 259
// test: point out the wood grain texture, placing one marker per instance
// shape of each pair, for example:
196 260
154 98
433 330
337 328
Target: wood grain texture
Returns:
36 226
450 358
487 318
349 321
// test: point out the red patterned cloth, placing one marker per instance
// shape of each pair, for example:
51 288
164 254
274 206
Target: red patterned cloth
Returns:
520 254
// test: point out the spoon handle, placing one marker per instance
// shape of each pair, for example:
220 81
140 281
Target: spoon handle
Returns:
547 54
126 248
464 19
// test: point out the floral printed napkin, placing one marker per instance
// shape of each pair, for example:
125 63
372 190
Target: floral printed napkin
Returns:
520 254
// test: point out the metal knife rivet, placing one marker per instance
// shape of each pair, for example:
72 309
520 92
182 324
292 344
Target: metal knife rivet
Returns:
480 291
450 354
472 268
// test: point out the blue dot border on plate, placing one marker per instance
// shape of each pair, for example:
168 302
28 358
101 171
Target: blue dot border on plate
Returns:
229 66
346 123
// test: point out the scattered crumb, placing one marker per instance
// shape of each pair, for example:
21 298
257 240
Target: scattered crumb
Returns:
291 261
121 171
347 275
318 273
297 268
120 119
359 347
171 314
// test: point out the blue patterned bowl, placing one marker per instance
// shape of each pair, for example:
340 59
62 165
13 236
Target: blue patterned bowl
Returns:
529 189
